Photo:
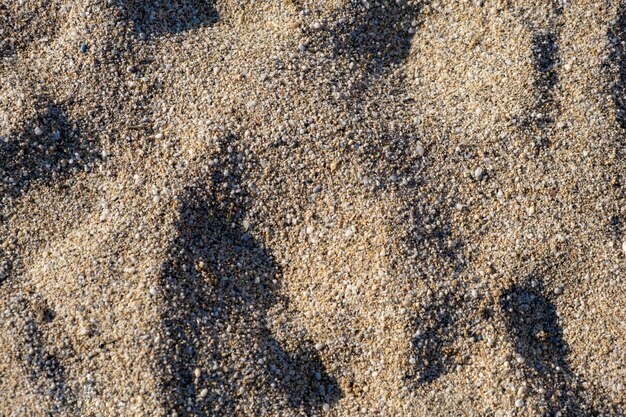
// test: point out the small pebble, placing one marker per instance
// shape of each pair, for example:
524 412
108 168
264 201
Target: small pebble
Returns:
478 174
38 131
83 48
558 290
519 403
197 372
153 291
624 247
326 407
204 393
420 150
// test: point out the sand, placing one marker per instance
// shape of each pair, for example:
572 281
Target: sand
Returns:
298 208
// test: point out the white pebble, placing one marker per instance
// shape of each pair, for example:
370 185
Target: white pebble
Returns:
624 247
478 174
316 25
197 372
204 393
319 346
349 232
158 136
38 131
104 214
519 403
558 290
420 150
246 224
326 407
153 291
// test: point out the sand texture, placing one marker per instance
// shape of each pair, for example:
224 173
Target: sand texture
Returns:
312 208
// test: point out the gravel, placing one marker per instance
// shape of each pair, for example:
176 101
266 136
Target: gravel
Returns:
296 208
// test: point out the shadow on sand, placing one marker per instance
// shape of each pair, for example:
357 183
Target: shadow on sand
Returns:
219 284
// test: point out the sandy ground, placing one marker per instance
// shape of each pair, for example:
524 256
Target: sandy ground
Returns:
299 208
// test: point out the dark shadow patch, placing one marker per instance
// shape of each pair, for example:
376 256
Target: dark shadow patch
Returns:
6 266
55 152
378 34
533 325
436 337
22 25
545 58
44 368
162 17
617 57
219 284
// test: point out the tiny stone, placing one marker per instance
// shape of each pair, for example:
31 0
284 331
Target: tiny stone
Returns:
420 150
197 372
83 48
153 291
56 135
519 403
301 47
246 224
38 131
319 346
558 290
478 174
326 407
158 136
624 247
204 393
